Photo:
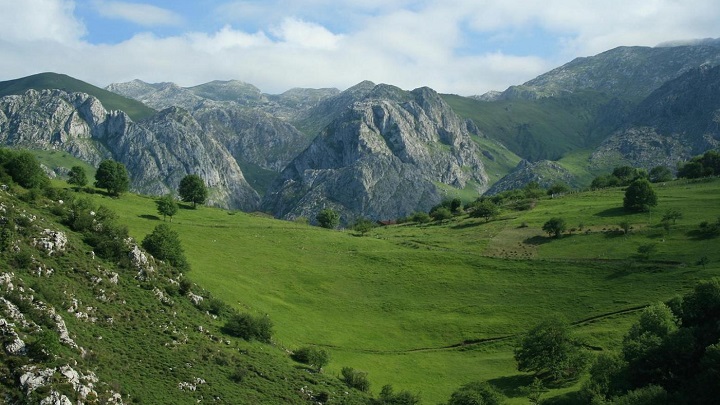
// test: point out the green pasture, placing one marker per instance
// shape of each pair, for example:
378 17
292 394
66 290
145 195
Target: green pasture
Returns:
400 302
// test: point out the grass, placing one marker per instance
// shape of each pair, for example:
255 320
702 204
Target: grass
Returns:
398 302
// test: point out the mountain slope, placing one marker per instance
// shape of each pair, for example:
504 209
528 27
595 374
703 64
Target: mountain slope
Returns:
47 81
627 72
158 151
77 328
382 158
675 122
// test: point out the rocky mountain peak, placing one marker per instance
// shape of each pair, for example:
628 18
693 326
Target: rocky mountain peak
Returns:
370 157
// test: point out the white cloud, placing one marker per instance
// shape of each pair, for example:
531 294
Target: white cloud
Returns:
401 42
39 20
295 32
142 14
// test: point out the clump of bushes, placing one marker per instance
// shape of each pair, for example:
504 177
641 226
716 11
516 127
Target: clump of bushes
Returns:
355 379
249 327
312 356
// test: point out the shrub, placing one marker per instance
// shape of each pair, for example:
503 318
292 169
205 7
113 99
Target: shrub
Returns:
639 196
328 218
475 393
248 327
555 226
355 379
164 244
317 358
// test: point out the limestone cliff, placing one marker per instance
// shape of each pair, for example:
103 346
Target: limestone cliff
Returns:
388 154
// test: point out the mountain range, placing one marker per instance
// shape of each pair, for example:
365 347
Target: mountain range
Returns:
375 150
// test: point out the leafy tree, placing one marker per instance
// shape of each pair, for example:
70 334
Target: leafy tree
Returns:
476 393
607 378
25 170
701 166
420 217
113 177
639 196
355 379
659 174
248 327
312 356
549 348
166 206
534 391
441 214
328 218
164 244
77 177
672 214
558 188
533 190
625 226
363 225
193 190
485 209
555 226
455 204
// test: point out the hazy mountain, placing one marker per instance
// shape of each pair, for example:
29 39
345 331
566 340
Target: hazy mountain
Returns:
624 72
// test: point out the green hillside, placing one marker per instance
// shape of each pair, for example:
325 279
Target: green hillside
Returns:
135 109
546 128
427 308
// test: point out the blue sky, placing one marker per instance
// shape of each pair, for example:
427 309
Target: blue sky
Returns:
454 46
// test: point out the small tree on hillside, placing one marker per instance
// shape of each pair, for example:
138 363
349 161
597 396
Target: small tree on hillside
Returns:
164 244
25 170
77 177
555 226
485 209
112 176
193 190
659 174
639 196
166 206
363 226
550 349
328 218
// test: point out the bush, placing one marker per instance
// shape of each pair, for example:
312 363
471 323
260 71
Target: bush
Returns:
248 327
328 218
420 217
475 393
639 196
355 379
164 244
314 357
555 226
389 397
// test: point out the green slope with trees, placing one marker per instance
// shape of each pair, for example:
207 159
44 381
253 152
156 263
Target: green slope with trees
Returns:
431 307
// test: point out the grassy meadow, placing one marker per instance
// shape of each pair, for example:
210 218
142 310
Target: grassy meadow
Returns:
430 307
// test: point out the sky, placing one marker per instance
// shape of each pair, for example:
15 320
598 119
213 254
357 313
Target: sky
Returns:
464 47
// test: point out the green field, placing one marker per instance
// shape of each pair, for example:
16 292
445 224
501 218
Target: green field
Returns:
411 304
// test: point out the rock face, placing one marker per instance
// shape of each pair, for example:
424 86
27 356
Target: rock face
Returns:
158 152
625 72
543 172
383 157
679 120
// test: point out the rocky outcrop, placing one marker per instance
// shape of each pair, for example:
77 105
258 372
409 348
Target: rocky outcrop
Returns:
158 151
384 157
625 72
677 121
543 172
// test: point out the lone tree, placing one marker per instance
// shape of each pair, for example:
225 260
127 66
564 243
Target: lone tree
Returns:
639 196
485 209
328 218
164 244
363 226
166 206
555 226
192 189
112 176
77 177
549 349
